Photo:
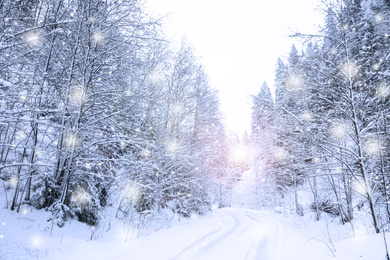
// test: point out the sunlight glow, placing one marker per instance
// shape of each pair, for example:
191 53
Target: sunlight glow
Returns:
239 154
234 51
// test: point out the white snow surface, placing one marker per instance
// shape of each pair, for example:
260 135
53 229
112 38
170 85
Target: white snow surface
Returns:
229 233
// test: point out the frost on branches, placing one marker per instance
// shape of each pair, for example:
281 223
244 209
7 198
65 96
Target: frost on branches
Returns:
98 110
330 119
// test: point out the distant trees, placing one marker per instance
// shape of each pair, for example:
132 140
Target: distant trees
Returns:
334 103
97 108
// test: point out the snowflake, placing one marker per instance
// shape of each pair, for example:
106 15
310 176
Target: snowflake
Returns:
307 115
145 153
71 140
172 146
177 109
20 135
383 91
38 153
36 241
132 193
295 83
280 154
378 18
33 39
81 197
98 37
23 95
349 69
339 131
77 95
25 211
13 181
373 147
155 76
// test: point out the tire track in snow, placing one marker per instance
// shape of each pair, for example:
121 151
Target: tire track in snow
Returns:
273 242
204 246
250 236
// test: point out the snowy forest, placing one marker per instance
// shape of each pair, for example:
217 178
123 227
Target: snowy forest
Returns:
329 125
96 106
102 116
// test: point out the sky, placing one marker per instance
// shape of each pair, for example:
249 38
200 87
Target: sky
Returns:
239 42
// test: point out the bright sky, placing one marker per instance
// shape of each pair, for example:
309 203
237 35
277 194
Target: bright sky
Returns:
239 42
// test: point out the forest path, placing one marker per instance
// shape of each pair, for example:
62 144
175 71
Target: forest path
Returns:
228 234
235 234
238 234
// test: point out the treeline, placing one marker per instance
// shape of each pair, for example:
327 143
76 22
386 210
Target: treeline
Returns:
328 127
97 108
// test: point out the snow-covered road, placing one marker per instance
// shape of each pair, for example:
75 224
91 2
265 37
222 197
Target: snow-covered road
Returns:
235 235
228 234
225 234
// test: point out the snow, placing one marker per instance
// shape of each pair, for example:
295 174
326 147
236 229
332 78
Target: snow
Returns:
229 233
4 84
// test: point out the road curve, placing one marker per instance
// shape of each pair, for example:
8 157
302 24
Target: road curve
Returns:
235 234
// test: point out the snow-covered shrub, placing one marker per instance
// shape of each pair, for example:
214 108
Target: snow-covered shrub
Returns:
45 192
60 213
327 206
